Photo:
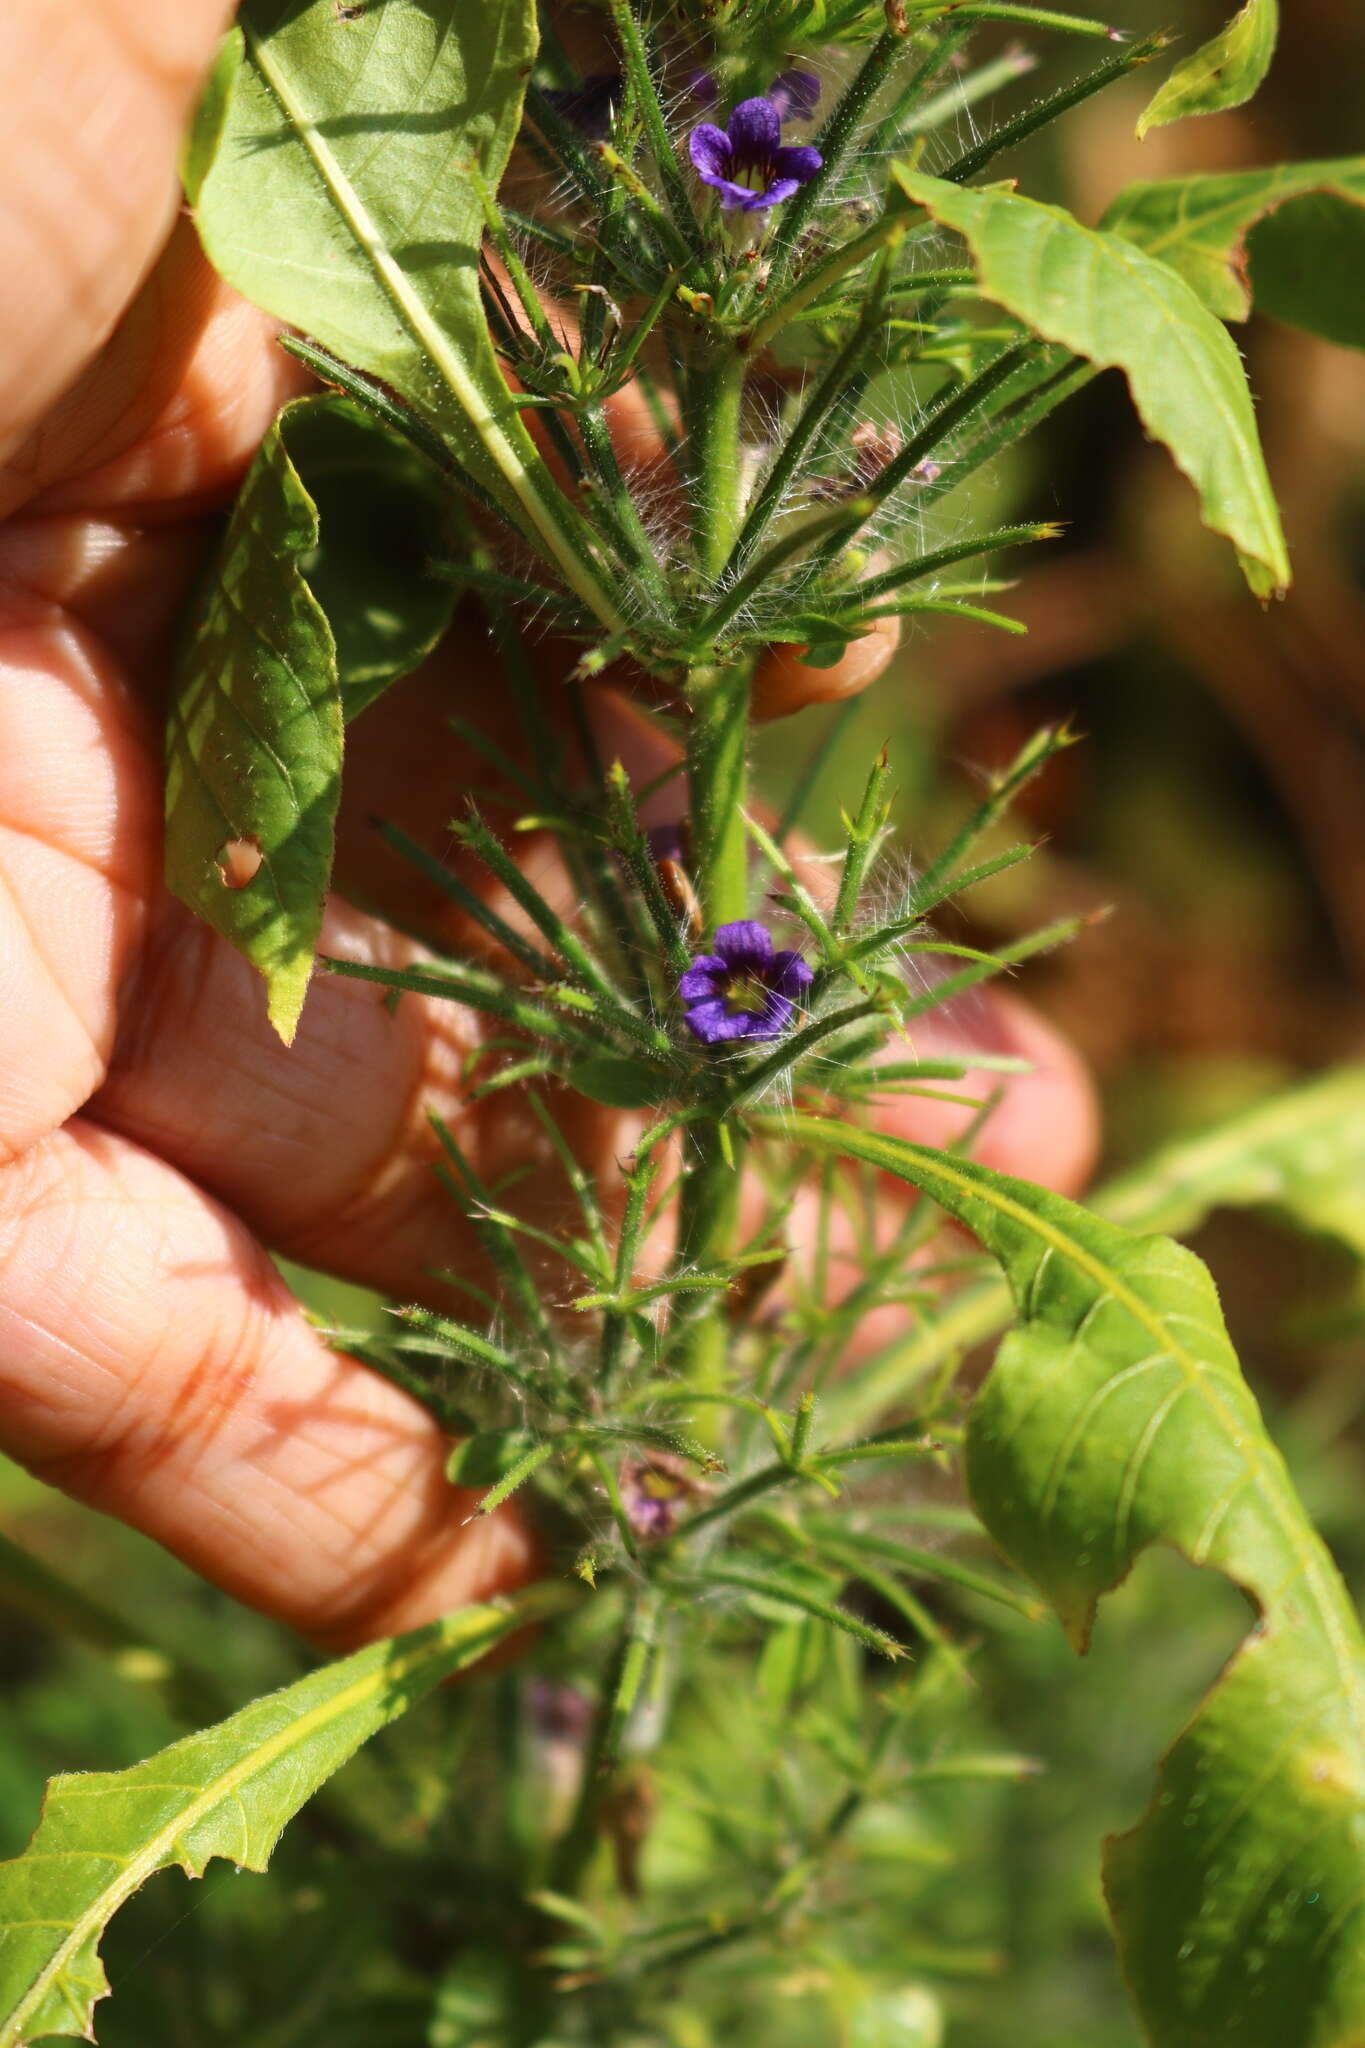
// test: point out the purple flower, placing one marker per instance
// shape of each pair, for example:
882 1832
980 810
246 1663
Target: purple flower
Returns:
656 1490
747 161
795 94
744 989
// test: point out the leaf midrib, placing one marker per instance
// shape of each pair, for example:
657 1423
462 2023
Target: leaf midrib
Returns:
428 333
838 1137
136 1869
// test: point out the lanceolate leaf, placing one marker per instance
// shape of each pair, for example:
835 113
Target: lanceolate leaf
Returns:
1224 73
1112 303
227 1791
1290 239
340 198
253 773
323 593
1116 1417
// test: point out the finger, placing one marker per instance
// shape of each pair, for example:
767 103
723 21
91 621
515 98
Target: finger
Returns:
154 1364
167 415
326 1148
79 830
88 168
1044 1124
784 682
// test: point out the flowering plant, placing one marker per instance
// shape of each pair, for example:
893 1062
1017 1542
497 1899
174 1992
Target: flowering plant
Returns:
689 398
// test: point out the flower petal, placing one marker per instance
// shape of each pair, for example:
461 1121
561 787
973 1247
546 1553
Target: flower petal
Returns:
773 1021
745 944
732 195
709 1021
791 974
771 195
719 1024
710 150
700 979
795 94
796 160
754 131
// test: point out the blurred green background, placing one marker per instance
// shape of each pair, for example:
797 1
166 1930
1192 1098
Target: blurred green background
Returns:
1217 807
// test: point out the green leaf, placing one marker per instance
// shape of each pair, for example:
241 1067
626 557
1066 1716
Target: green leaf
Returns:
226 1791
488 1456
309 612
1301 1154
1290 240
619 1083
254 740
1223 73
1112 303
340 199
376 567
1116 1417
206 130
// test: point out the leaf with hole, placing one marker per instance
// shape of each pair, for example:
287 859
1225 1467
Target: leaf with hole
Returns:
305 617
1116 1417
1109 301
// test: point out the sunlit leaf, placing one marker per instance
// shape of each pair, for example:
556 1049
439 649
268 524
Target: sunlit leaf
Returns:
1223 73
340 198
254 741
305 617
226 1791
1112 303
1289 240
1116 1417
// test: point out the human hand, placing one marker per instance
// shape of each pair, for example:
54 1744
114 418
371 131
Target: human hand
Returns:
155 1138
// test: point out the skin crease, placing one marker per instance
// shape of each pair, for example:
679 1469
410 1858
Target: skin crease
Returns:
154 1138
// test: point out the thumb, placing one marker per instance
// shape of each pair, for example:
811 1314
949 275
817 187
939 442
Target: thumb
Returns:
88 154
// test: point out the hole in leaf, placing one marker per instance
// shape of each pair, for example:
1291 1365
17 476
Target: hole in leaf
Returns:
238 861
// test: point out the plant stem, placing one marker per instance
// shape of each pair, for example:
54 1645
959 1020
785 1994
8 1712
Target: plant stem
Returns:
717 775
716 474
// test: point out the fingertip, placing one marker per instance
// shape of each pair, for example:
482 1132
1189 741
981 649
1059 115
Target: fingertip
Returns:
785 682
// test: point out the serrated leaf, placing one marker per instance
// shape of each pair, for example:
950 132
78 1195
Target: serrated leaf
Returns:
1100 295
1116 1417
1289 240
226 1791
304 618
340 199
1223 73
